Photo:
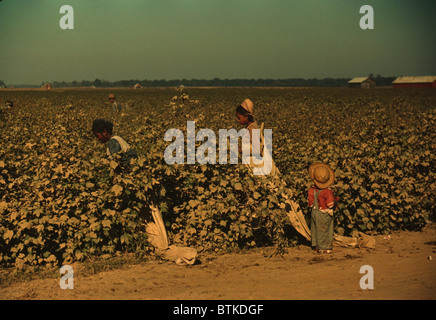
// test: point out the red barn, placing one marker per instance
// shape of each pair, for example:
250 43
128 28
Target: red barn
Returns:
415 82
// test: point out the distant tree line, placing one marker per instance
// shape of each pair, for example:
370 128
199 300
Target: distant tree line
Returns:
216 82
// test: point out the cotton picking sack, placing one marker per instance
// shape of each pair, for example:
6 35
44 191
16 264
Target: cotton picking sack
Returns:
157 236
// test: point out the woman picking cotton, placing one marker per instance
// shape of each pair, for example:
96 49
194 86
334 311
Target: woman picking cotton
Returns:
255 152
264 165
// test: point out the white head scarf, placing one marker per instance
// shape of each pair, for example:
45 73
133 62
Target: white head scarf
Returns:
247 104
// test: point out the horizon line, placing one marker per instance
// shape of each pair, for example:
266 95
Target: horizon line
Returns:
204 79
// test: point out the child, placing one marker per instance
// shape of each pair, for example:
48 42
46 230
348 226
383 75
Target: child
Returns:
322 202
103 131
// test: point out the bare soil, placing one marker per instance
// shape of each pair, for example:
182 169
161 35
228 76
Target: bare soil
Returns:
404 268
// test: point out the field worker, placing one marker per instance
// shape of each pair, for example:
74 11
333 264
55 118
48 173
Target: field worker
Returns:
322 202
8 104
103 131
244 115
6 107
116 107
156 232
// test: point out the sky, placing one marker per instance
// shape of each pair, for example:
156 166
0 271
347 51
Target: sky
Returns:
206 39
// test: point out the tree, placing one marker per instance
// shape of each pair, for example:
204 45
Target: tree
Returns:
97 83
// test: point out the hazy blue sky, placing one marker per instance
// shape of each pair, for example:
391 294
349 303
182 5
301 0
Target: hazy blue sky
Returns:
204 39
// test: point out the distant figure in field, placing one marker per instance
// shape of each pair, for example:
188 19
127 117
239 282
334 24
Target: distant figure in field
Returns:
7 106
116 107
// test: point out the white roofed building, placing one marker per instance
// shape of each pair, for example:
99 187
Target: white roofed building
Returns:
361 82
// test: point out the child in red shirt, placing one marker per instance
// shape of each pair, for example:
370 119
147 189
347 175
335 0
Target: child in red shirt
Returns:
322 201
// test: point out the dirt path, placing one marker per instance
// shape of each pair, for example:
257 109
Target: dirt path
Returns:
404 268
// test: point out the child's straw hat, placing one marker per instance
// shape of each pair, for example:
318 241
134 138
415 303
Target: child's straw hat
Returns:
322 175
111 96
